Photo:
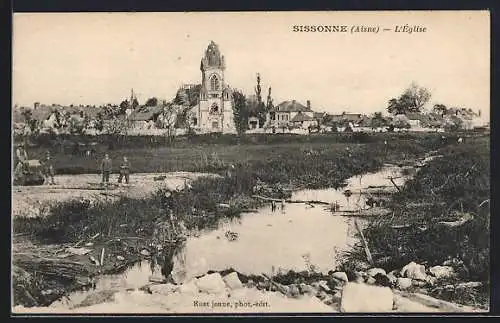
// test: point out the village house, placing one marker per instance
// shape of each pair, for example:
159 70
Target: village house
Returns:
144 117
292 113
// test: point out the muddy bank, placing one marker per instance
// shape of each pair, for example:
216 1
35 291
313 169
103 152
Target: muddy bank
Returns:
439 226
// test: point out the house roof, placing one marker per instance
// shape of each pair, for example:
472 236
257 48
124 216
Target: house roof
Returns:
144 113
291 106
319 115
299 117
352 117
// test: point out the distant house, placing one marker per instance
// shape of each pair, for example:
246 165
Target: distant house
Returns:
253 123
303 120
291 113
144 117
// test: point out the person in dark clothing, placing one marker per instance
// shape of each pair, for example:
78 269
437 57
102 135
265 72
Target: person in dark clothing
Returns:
124 170
273 206
106 167
49 169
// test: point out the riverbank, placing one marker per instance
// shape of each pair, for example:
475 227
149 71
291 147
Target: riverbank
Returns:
139 228
438 230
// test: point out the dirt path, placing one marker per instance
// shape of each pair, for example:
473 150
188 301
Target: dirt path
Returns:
30 200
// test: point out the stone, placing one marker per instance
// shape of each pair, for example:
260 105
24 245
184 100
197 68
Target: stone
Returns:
403 283
382 280
441 272
121 258
232 281
293 291
163 289
418 283
469 285
366 298
430 280
373 271
370 280
340 275
392 278
414 271
189 288
211 284
144 252
324 285
306 289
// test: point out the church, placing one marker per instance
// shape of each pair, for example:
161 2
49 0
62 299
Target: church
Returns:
214 111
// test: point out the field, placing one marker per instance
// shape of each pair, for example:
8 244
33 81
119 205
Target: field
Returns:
277 161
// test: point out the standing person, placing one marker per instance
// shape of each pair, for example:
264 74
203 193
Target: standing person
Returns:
49 169
273 206
106 167
283 206
124 170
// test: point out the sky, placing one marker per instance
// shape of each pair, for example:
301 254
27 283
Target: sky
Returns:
96 58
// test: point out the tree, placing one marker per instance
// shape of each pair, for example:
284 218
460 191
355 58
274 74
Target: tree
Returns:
378 121
124 105
413 99
168 118
401 122
116 126
440 109
135 103
151 102
240 111
99 122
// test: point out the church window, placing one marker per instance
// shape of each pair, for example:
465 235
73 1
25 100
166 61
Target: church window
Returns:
214 83
214 108
195 121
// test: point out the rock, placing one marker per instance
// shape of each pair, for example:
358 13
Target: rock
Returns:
144 252
370 280
418 283
324 285
306 289
414 271
211 284
430 280
403 283
78 251
382 280
442 272
392 278
366 298
373 271
157 279
469 285
359 279
120 258
340 275
396 273
232 280
189 288
163 289
293 291
250 284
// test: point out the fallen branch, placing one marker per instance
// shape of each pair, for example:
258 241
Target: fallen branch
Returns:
395 185
289 201
466 217
365 244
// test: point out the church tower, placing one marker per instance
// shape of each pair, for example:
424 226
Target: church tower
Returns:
215 110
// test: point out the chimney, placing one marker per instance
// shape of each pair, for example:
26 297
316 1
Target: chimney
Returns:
36 105
308 104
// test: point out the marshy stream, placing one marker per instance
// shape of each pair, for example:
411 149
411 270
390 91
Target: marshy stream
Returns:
292 238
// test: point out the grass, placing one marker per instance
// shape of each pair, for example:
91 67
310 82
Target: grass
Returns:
456 183
310 162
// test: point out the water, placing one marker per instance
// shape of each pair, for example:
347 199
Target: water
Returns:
292 238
